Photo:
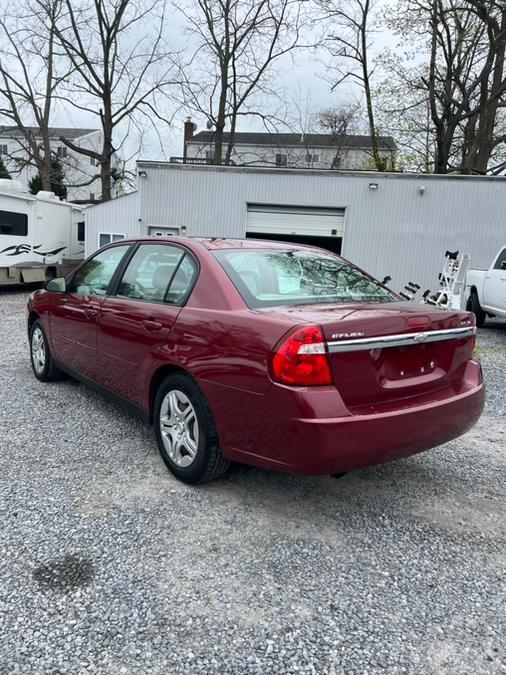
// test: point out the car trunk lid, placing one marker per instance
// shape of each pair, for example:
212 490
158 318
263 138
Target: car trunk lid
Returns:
380 353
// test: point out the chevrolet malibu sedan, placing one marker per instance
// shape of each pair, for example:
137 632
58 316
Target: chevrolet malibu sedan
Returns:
277 355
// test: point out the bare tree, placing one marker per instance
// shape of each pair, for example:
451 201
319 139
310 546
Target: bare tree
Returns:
482 139
121 70
338 122
348 40
236 45
30 75
451 105
403 109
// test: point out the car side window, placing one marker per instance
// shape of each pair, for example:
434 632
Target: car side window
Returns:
95 276
501 258
152 268
182 281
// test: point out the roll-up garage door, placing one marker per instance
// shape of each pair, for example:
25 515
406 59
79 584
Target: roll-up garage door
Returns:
302 221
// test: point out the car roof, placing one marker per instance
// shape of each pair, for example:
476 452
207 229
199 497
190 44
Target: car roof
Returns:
224 243
220 243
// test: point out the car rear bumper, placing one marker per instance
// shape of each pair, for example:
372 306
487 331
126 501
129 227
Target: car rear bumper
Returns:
328 445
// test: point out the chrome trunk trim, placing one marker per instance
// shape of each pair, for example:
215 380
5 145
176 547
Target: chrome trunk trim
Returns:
401 340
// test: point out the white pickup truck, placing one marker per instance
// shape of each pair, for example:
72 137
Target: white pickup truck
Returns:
486 290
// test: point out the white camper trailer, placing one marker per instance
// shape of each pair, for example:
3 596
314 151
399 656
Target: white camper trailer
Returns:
40 236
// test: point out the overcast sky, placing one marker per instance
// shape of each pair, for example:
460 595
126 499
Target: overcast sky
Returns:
304 83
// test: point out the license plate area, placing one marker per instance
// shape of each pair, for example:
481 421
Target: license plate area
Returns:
402 363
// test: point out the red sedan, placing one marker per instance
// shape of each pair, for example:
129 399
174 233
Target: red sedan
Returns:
276 355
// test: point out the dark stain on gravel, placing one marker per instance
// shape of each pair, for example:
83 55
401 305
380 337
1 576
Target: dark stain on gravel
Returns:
65 574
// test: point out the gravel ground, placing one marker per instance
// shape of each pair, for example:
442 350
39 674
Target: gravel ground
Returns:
109 565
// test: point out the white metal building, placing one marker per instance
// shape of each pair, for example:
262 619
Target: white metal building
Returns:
389 224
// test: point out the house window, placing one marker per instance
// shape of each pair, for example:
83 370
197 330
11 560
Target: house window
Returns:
312 159
4 149
80 230
61 151
13 224
281 160
106 238
92 196
93 161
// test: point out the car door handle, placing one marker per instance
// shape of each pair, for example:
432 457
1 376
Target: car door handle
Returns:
151 325
91 312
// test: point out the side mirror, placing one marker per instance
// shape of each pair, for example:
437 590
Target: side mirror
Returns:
58 285
503 265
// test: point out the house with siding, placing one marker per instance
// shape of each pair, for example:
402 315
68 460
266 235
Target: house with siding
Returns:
295 150
79 170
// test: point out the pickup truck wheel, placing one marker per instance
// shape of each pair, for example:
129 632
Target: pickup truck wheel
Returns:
185 431
473 305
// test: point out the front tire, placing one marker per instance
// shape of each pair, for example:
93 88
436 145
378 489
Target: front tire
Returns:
185 431
40 355
473 305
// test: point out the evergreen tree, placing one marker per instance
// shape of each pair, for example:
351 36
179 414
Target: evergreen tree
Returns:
57 180
3 170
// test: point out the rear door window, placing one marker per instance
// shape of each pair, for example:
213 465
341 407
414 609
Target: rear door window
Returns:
158 273
182 282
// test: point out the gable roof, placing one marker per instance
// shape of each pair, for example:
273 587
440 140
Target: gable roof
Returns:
294 140
54 132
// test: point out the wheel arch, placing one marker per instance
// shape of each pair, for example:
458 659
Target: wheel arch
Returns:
157 378
470 291
32 318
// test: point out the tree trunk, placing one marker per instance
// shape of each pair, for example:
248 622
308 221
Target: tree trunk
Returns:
378 161
484 142
47 169
231 139
442 154
41 157
220 120
107 151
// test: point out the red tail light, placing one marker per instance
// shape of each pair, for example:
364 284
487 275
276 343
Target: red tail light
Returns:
302 359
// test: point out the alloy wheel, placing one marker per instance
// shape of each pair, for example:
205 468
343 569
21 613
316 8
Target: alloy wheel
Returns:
179 428
38 351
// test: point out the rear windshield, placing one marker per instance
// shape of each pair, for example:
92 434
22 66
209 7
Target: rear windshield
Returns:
269 278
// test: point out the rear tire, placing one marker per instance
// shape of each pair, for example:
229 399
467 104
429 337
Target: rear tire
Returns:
185 431
473 305
40 355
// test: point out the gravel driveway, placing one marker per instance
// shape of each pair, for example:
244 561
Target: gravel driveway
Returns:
109 565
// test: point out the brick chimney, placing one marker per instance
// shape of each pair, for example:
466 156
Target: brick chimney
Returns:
189 129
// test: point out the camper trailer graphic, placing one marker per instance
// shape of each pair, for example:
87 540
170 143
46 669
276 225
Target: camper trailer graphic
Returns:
20 249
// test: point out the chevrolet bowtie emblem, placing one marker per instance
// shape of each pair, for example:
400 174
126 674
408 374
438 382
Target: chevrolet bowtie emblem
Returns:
421 337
